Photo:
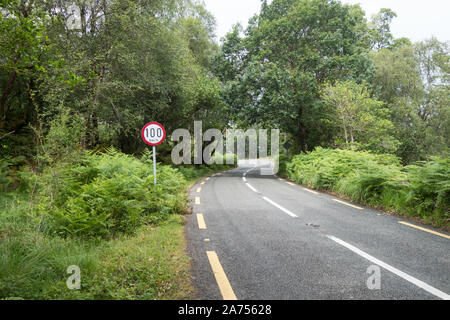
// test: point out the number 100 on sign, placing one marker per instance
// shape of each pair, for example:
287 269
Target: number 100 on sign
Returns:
153 134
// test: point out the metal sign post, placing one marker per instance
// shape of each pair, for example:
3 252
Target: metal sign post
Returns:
153 134
154 164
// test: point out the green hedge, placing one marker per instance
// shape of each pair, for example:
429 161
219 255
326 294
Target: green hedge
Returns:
421 190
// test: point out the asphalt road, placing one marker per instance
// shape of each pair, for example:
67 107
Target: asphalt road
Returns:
258 237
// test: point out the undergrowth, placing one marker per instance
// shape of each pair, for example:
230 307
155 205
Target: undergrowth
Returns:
421 190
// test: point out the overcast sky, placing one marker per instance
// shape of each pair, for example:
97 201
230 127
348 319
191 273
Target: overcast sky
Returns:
416 19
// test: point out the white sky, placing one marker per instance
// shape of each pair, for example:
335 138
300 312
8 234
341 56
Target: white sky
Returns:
416 19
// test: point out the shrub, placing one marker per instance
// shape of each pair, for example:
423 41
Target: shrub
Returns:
379 180
429 192
11 177
104 194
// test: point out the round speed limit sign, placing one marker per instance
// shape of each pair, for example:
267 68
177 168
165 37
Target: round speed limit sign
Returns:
153 133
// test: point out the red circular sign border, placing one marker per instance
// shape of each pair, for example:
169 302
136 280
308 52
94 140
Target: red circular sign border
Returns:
149 124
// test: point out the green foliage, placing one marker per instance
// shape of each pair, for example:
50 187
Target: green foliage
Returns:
379 180
413 81
32 263
12 178
362 119
380 29
272 75
107 194
128 59
193 172
148 265
429 191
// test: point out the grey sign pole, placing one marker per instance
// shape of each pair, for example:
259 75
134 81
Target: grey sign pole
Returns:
154 164
153 134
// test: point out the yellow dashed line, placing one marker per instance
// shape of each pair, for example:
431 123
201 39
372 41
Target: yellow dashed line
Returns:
201 222
426 230
348 204
203 183
290 183
221 278
199 190
197 200
207 179
312 191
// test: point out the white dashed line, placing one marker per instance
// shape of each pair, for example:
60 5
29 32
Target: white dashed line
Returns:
280 207
395 271
251 187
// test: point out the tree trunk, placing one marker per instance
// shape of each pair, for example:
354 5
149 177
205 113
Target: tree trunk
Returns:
345 132
6 92
303 142
301 133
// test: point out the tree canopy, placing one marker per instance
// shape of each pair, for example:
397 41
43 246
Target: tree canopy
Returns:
99 69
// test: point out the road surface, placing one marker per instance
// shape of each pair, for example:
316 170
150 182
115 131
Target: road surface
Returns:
255 237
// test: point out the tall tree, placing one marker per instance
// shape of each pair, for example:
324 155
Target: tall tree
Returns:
362 119
380 29
413 81
114 63
273 74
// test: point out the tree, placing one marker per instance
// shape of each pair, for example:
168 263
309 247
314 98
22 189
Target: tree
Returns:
121 64
22 41
380 29
363 119
273 74
413 81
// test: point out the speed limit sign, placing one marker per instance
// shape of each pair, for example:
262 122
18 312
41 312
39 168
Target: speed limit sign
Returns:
153 134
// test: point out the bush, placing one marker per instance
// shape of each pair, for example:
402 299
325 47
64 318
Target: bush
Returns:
429 192
104 194
74 208
421 190
11 177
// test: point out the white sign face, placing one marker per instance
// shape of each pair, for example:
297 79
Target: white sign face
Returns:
153 134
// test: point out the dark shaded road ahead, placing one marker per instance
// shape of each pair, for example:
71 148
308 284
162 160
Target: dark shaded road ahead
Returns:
277 240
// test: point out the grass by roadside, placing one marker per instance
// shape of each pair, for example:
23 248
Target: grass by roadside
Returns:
420 192
148 262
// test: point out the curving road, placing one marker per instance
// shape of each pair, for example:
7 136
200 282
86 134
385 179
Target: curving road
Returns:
254 237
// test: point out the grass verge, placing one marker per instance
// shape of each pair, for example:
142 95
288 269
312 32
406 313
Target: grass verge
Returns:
149 263
420 191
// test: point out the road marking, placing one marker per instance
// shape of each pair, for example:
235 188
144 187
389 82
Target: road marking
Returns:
312 191
201 222
280 179
203 183
290 183
199 190
395 271
280 207
207 179
423 229
245 179
348 204
221 278
197 200
251 187
245 173
207 240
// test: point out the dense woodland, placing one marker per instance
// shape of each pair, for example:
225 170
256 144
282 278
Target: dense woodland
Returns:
319 70
367 116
